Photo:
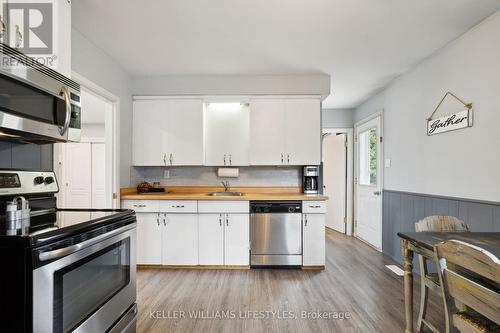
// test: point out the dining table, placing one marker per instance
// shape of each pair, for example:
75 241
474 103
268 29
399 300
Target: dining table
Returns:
423 243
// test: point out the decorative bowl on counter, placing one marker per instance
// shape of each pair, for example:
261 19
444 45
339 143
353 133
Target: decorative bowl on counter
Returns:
143 187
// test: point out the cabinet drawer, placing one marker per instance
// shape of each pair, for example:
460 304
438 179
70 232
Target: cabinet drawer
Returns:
141 206
311 207
179 206
223 206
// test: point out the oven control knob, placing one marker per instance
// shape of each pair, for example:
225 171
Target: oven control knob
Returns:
38 180
49 180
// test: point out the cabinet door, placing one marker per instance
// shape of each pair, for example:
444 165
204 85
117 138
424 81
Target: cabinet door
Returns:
211 239
226 134
267 131
237 239
303 131
185 132
149 242
150 132
313 233
180 240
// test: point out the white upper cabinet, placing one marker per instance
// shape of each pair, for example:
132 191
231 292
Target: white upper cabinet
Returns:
226 134
267 128
303 131
168 132
285 131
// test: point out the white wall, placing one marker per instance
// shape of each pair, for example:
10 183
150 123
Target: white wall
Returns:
92 63
337 118
462 163
233 85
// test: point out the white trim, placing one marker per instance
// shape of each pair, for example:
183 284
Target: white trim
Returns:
93 140
112 136
350 174
222 97
374 115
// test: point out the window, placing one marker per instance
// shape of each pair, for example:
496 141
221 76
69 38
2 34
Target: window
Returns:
368 157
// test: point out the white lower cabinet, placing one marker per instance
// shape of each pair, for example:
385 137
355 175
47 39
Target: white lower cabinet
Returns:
211 239
313 233
224 239
180 240
149 238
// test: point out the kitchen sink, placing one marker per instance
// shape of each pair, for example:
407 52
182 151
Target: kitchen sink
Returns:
225 194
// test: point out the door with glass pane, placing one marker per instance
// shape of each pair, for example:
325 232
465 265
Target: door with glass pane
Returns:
368 182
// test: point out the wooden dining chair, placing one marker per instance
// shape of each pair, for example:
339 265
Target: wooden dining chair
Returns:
430 280
469 275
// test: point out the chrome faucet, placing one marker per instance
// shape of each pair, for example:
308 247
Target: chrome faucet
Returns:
226 185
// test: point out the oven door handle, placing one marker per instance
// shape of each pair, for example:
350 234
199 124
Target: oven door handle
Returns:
62 252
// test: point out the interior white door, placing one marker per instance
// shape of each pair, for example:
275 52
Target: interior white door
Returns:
77 175
185 132
227 128
98 175
236 240
149 237
150 132
211 239
303 131
368 221
267 132
180 240
335 179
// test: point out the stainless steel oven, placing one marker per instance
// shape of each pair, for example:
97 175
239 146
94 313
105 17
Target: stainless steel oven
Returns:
37 104
85 283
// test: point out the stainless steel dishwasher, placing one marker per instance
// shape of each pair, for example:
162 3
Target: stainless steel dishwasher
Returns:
276 233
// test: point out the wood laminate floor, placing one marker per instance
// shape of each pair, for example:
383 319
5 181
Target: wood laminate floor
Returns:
355 284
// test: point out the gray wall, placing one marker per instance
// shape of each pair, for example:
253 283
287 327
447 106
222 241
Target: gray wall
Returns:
91 62
206 176
402 209
460 165
337 118
25 156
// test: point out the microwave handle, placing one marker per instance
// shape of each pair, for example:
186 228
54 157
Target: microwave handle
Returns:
65 93
59 253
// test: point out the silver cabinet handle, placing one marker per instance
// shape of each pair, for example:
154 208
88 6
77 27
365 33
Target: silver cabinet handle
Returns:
171 159
140 206
165 219
220 220
227 220
305 222
315 206
19 37
288 158
158 219
282 159
165 159
224 159
3 28
376 193
230 160
177 206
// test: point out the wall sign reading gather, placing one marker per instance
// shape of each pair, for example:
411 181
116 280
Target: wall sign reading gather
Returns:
451 122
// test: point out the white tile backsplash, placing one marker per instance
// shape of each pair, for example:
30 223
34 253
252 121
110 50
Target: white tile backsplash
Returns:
207 176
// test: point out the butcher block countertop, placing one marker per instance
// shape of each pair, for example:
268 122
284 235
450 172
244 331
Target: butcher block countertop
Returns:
201 193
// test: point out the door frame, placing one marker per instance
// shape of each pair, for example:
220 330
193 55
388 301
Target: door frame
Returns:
349 131
375 115
111 138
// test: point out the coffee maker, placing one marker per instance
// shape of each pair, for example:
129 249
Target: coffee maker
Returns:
311 179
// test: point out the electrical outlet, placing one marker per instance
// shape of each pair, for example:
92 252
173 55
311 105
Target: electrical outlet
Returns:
388 162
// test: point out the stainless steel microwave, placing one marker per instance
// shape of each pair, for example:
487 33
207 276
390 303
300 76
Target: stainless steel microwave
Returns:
37 104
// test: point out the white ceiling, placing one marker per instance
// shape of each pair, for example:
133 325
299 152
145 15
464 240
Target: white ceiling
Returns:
361 44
